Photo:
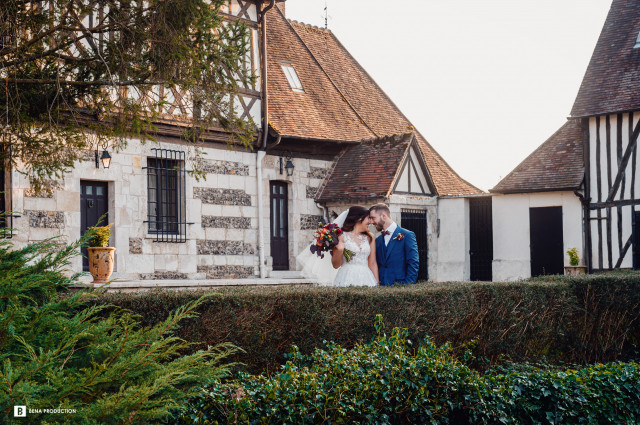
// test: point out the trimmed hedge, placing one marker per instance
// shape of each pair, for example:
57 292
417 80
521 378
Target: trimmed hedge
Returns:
584 319
387 382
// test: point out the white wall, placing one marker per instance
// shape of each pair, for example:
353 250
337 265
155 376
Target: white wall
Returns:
511 241
453 242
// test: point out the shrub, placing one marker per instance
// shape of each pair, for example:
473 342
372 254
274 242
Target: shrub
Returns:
581 319
389 382
598 394
574 259
99 235
59 352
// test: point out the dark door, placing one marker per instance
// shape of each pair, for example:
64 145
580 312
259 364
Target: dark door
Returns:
279 226
94 203
480 238
636 240
416 221
3 202
547 256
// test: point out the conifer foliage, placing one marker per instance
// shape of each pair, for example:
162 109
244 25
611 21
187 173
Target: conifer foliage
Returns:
93 363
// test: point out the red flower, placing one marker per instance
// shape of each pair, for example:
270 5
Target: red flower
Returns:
399 237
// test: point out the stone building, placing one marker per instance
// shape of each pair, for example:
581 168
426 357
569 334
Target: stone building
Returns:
318 113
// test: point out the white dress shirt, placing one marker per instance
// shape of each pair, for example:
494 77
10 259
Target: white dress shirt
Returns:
392 228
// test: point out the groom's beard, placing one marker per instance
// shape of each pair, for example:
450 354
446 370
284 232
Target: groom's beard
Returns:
379 227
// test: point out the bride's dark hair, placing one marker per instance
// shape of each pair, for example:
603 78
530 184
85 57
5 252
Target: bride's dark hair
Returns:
356 214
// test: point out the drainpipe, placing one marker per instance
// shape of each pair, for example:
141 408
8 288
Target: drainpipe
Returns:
265 133
259 159
265 104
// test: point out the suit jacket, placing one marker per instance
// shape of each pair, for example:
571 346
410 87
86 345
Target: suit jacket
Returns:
398 261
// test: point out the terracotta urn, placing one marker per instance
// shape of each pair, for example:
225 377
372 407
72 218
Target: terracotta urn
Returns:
101 263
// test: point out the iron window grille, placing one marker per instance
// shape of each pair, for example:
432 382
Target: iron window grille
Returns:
166 196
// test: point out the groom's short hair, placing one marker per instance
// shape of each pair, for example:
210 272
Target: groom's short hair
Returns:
381 208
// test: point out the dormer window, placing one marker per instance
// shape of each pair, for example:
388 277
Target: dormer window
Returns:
292 78
637 42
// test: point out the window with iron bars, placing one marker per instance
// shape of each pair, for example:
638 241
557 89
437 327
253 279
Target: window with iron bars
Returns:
166 196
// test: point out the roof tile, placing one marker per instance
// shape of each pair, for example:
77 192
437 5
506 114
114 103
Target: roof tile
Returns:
341 101
557 164
612 80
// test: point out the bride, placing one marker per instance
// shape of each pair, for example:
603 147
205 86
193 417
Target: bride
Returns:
362 269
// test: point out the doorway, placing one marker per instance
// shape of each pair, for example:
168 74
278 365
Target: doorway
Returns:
279 201
480 239
546 241
94 203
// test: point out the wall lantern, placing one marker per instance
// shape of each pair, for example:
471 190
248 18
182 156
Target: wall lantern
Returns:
288 166
105 158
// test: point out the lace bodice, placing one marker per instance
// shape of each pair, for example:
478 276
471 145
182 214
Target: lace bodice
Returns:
359 244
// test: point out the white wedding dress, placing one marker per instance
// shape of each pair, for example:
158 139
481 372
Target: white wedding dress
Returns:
353 273
356 272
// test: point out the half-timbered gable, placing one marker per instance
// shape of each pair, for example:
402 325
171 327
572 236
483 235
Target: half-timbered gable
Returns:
608 106
374 169
414 178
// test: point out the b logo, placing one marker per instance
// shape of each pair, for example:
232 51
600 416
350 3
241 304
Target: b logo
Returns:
19 411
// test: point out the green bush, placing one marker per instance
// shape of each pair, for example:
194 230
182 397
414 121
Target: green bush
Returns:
389 382
584 319
58 351
98 236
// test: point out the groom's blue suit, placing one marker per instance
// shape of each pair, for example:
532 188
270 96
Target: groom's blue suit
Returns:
398 261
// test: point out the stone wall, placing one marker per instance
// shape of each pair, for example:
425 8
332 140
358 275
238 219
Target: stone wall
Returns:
221 212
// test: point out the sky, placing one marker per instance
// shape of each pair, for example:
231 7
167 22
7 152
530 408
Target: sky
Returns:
485 82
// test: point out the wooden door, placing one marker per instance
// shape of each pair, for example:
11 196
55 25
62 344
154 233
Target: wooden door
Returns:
279 225
481 238
547 246
94 203
636 239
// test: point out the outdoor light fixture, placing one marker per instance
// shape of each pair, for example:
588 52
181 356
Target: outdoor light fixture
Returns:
288 166
106 159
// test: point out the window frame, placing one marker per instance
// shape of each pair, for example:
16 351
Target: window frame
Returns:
166 200
292 77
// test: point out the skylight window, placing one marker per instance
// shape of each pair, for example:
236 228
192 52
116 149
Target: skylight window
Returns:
292 78
637 42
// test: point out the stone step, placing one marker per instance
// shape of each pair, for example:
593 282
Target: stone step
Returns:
142 285
285 274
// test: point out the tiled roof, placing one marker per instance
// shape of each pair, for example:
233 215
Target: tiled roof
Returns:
556 165
612 80
366 170
341 101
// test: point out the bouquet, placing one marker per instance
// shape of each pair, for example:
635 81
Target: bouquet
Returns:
326 239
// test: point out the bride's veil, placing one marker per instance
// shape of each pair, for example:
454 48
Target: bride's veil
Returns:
319 269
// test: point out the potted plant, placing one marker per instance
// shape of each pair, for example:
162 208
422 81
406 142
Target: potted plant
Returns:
100 253
574 260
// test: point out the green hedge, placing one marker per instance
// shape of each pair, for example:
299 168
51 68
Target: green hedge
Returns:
563 319
388 382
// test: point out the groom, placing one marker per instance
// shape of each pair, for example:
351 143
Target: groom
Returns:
396 249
